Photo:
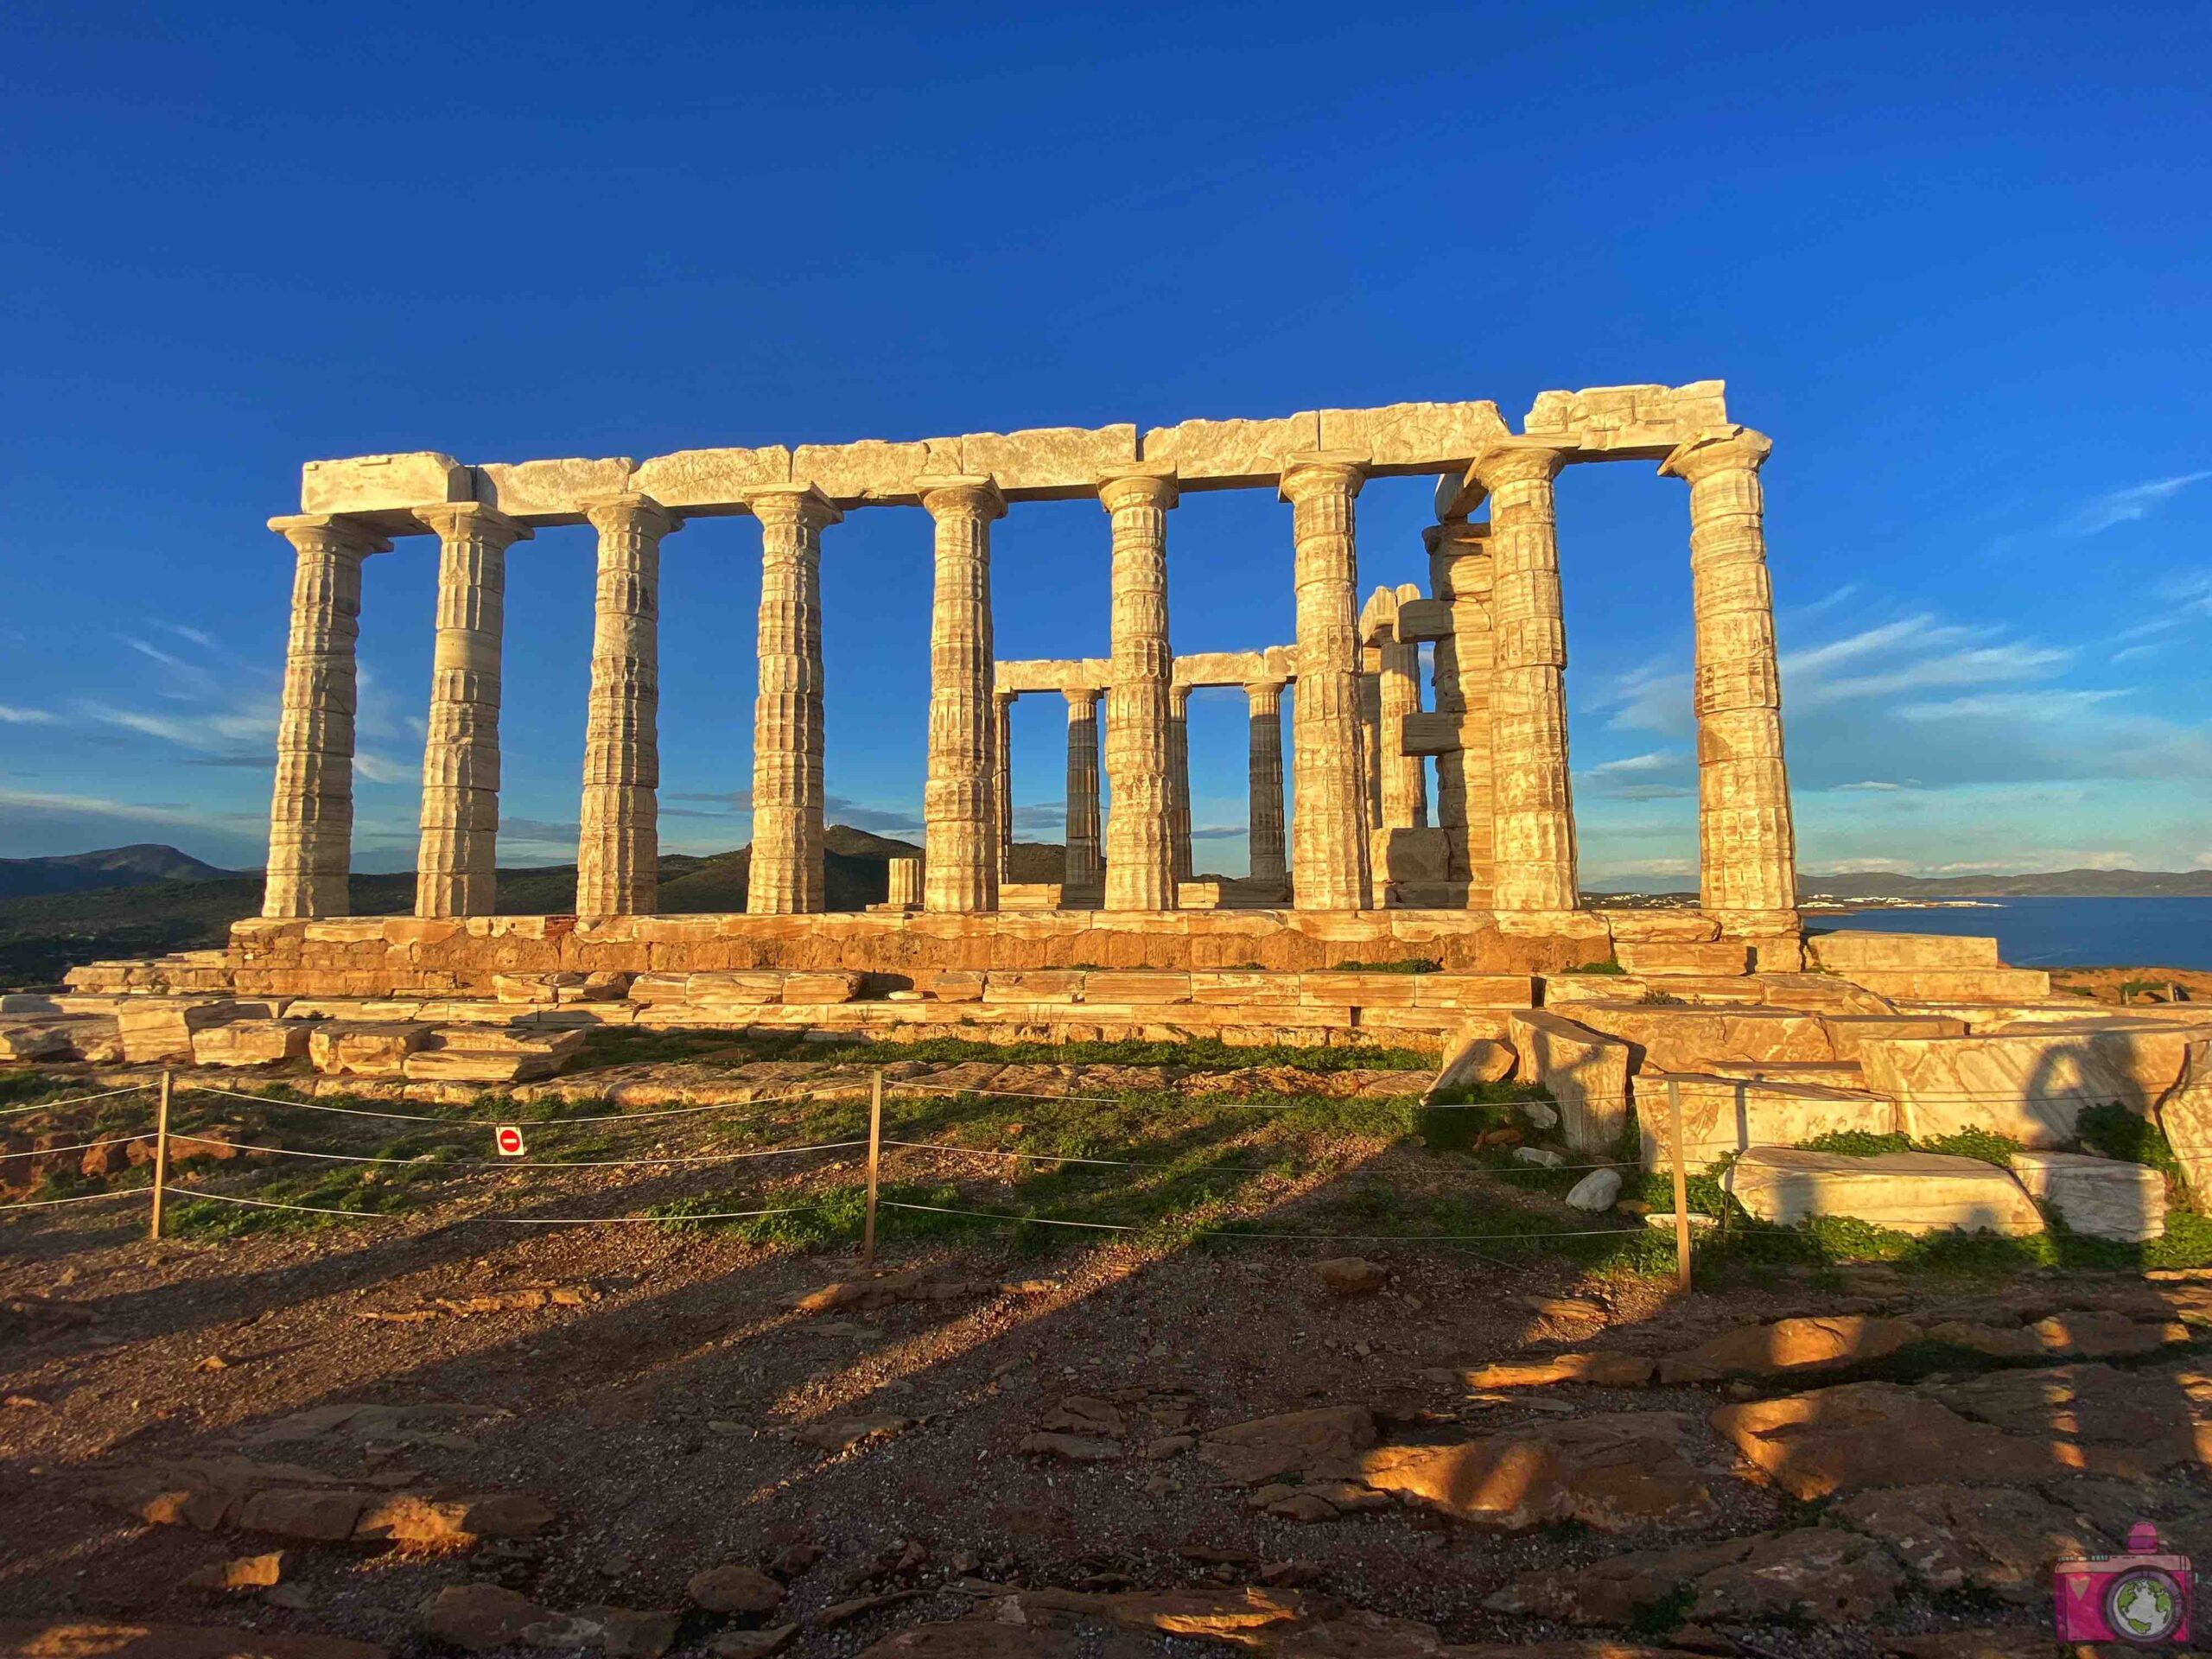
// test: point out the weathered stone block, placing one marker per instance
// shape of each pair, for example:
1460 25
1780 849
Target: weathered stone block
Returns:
1410 855
2102 1197
1683 957
1586 1072
548 491
1049 462
156 1029
1906 1191
709 987
1224 454
1955 984
1137 985
874 470
1413 438
2184 1114
1041 985
711 478
1659 926
250 1042
1726 1115
384 484
1849 1031
823 985
1846 951
364 1050
2031 1084
1688 1039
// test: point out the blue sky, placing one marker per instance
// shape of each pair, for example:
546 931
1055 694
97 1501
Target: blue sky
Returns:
1953 260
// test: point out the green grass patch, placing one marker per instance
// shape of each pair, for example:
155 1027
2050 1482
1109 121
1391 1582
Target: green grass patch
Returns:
349 1188
1402 965
1984 1146
1610 965
2112 1131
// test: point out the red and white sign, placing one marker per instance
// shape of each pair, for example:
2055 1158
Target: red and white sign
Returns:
508 1139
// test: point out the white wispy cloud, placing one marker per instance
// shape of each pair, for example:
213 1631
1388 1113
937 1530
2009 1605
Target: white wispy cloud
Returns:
1657 760
14 716
2137 653
2125 506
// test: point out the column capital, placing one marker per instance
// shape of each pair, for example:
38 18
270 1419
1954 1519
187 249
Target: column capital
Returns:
955 492
1178 701
451 517
1515 461
1461 535
1265 695
1139 484
793 504
1083 700
630 513
1005 699
1315 472
302 530
1723 449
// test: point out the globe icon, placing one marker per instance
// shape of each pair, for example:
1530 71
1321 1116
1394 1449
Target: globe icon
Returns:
2143 1605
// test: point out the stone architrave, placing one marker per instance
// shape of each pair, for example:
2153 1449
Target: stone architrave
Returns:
787 876
1083 867
1328 842
1140 839
959 811
1178 777
617 849
311 807
1747 846
1265 765
457 866
1460 574
1002 775
1533 809
1404 788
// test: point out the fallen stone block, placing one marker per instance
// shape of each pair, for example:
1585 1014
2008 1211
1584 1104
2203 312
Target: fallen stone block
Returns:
1584 1071
2099 1197
2184 1115
1905 1191
346 1049
2030 1083
1683 957
250 1042
1726 1115
1848 950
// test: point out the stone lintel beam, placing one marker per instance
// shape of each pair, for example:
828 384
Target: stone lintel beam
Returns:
1035 464
1198 671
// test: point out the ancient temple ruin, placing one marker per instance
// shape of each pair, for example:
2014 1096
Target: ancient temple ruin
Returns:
1493 853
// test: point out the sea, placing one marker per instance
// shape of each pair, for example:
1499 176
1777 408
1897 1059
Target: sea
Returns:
2061 932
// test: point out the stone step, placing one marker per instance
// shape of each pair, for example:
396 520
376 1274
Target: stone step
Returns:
1848 951
1848 1031
1670 957
1906 1191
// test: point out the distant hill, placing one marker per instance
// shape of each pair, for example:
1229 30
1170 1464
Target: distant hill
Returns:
45 932
2055 884
113 867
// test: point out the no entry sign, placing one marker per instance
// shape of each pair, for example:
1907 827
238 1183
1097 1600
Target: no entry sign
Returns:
508 1139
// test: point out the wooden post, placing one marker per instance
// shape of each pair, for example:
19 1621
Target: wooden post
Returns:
875 1162
161 1153
1681 1186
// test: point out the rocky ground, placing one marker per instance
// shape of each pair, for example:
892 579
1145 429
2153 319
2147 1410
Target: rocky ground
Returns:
433 1430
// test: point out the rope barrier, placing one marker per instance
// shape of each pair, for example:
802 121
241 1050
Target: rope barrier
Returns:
498 1123
510 1221
82 1146
428 1160
74 1100
86 1198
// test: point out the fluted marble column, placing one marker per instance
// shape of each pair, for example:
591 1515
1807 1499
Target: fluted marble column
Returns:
1404 790
1264 823
787 876
1533 810
960 870
1370 736
1460 574
1139 831
456 869
1178 779
1747 848
1328 846
1082 790
311 807
1002 775
617 849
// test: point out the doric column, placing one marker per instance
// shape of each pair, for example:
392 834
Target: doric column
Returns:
1328 847
456 871
1265 822
1083 789
618 850
1139 832
786 878
959 812
1371 735
1404 790
1459 573
1747 849
1002 775
1534 807
311 808
1178 779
